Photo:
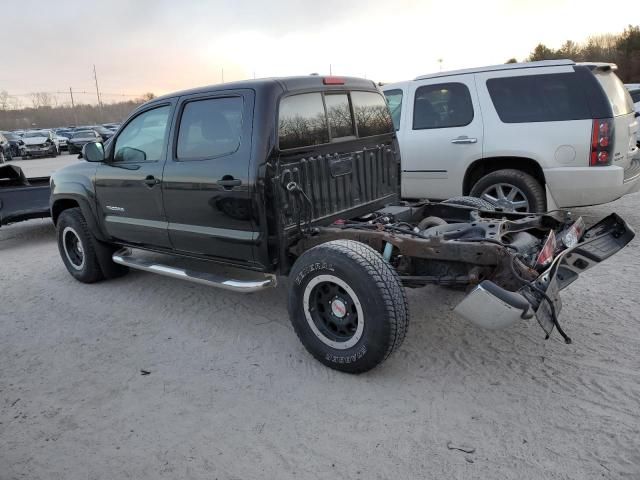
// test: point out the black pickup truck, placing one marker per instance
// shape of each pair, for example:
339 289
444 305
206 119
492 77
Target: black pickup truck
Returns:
22 198
299 177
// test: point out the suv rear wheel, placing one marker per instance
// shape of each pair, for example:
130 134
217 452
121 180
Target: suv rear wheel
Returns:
347 305
511 191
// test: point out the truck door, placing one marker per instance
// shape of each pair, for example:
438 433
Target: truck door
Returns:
440 135
129 183
206 184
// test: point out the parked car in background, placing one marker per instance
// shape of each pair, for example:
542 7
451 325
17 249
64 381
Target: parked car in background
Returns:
17 144
635 97
104 132
62 141
5 149
111 126
81 138
525 137
64 132
41 143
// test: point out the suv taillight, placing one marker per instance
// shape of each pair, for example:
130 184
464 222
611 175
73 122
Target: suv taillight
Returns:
601 142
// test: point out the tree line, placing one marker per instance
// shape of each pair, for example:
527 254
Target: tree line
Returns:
622 49
45 115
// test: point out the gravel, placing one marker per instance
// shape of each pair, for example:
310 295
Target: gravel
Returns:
150 377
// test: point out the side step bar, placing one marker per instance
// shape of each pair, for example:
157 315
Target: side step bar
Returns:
124 257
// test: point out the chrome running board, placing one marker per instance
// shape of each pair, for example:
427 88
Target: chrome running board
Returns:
125 257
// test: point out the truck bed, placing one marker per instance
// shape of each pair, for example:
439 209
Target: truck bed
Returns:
22 198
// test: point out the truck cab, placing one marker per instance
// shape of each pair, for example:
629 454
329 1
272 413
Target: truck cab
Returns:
186 172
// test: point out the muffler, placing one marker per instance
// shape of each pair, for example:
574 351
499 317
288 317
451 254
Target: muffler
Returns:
492 307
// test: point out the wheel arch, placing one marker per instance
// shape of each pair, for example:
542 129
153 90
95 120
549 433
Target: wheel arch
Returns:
483 166
60 203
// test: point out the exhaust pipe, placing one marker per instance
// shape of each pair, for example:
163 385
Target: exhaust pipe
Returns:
492 307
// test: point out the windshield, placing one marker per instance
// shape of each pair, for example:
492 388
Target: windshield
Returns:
36 134
85 134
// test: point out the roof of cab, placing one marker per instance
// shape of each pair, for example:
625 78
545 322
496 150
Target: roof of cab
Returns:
288 84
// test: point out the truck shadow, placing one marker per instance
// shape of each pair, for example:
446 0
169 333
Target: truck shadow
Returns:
31 232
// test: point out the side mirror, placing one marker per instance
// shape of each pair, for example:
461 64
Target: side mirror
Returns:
637 114
93 152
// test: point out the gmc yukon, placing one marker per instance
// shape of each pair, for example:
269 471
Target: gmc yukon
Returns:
300 177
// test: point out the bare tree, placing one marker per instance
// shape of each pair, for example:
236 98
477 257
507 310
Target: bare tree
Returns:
4 100
41 99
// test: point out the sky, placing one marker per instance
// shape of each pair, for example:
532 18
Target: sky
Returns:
167 45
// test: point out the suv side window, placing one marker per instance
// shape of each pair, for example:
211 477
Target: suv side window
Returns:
539 98
143 139
372 114
444 105
635 96
302 121
394 99
210 128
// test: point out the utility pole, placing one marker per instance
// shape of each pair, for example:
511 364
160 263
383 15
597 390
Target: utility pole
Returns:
95 76
73 107
330 71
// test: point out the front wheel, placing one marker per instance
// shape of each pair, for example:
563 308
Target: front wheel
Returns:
347 305
511 191
77 247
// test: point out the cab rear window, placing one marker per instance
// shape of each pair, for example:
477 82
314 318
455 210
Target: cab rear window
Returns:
317 118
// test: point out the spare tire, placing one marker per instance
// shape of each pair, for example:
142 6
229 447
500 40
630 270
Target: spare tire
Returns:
474 202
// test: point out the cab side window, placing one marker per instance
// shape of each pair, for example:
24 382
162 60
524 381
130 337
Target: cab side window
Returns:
210 128
143 139
444 105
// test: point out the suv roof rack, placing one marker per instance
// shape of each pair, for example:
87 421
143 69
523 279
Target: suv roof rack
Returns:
505 66
603 66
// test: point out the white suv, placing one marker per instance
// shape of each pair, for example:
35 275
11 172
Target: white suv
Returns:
525 137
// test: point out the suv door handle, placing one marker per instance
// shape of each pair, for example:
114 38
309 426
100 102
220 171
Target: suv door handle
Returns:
464 139
150 181
229 182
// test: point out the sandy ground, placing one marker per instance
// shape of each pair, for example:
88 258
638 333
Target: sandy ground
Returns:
232 394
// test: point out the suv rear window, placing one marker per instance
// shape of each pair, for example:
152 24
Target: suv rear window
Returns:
539 98
616 92
303 120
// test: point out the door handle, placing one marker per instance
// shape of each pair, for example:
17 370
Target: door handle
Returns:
150 181
228 182
464 140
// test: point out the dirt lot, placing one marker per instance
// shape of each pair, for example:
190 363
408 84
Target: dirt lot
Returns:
233 395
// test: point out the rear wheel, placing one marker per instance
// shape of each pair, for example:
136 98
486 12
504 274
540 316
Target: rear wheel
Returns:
347 305
511 191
